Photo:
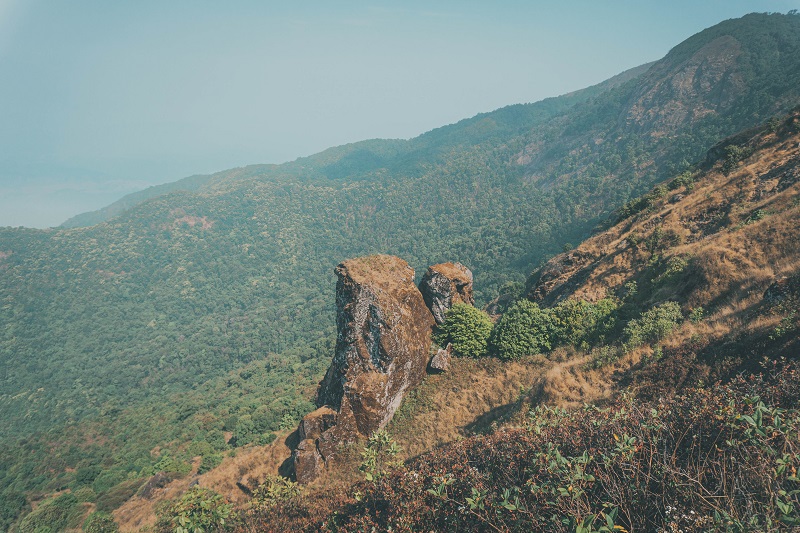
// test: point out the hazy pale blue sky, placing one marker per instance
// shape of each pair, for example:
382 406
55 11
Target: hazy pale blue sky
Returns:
102 98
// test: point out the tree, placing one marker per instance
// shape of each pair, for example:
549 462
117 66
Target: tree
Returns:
524 329
467 329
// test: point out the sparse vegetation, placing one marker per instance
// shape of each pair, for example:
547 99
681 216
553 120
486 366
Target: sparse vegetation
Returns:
722 458
199 510
653 325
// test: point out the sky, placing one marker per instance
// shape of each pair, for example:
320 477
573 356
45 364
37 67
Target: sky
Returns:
99 99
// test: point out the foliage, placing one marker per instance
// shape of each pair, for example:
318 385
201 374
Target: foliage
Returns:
653 325
467 329
12 505
273 490
733 155
523 329
165 326
199 510
718 459
379 455
100 522
53 515
580 323
527 329
209 462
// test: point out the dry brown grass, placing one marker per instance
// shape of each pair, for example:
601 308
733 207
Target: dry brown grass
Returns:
735 255
471 395
251 464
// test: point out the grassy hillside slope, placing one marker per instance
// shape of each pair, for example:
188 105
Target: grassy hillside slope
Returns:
694 429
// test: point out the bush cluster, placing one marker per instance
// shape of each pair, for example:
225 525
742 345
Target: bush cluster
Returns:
467 329
526 329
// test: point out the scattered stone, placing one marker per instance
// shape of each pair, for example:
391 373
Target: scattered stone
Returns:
441 361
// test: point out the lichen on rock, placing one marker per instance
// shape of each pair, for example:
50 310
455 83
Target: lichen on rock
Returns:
445 284
383 342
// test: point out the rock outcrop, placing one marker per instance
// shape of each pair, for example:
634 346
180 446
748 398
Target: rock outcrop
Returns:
382 350
445 284
441 361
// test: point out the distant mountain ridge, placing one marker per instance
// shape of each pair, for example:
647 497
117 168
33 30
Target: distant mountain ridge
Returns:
354 158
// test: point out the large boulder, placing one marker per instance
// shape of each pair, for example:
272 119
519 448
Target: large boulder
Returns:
382 348
445 284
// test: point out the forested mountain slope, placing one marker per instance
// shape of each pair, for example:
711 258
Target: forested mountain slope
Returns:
212 289
690 391
350 160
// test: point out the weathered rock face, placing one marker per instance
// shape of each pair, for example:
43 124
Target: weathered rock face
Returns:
383 340
445 284
382 348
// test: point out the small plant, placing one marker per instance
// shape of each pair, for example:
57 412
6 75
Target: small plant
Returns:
696 315
200 510
733 155
379 456
784 327
100 522
674 267
602 356
288 422
275 489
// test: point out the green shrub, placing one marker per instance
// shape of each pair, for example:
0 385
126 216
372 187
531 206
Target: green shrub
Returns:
209 462
53 516
686 178
696 315
653 325
674 266
579 323
379 456
524 329
734 154
85 494
100 522
170 464
602 356
273 490
467 329
199 510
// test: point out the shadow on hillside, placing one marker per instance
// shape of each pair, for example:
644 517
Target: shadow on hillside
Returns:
488 421
286 469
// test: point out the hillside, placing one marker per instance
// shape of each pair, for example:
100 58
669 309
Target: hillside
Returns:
195 323
705 405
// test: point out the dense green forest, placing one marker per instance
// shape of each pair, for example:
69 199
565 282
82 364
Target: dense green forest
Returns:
211 310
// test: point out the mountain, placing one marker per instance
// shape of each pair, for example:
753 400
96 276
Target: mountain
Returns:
209 312
352 159
704 276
